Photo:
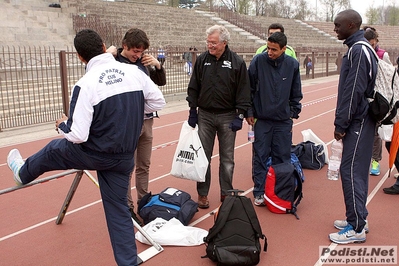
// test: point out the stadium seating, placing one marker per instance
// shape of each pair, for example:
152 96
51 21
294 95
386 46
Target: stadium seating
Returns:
35 23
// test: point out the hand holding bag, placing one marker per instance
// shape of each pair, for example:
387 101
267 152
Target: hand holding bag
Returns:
189 161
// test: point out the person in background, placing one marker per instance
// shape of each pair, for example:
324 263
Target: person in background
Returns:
394 189
276 27
372 37
188 57
354 126
161 55
218 95
276 94
106 114
309 66
134 44
305 61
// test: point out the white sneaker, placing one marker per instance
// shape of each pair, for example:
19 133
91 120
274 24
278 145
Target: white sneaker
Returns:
348 236
341 224
15 162
396 175
259 200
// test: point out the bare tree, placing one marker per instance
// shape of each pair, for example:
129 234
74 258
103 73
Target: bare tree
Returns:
392 15
244 6
273 9
260 7
373 15
302 10
333 7
230 4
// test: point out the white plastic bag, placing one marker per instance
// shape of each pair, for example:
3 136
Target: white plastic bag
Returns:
189 161
172 233
385 132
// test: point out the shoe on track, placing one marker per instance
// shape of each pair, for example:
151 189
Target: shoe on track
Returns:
375 168
15 162
348 236
259 200
341 224
391 190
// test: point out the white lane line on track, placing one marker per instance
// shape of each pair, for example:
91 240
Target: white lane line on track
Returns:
321 89
326 98
168 125
46 221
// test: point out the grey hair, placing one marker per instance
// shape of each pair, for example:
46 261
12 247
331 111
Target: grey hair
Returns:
224 34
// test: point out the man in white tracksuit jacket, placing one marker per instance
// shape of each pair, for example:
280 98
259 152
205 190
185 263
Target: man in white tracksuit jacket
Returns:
106 114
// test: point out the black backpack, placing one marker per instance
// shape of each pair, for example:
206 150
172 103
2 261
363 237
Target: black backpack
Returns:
234 238
170 203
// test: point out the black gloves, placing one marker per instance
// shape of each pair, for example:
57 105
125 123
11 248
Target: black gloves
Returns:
236 124
193 117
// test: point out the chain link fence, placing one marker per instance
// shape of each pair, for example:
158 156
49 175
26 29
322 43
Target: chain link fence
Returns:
35 82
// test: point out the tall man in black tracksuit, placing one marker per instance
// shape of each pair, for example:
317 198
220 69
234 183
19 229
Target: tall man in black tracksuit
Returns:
354 126
219 88
276 93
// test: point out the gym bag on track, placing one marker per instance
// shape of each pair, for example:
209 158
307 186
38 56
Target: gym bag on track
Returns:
170 203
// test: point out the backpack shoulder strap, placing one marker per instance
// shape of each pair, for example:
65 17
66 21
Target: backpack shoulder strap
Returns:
370 48
368 45
223 214
298 191
249 210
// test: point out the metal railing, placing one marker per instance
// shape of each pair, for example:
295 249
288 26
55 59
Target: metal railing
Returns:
35 82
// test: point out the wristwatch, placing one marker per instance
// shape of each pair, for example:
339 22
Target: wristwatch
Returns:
241 116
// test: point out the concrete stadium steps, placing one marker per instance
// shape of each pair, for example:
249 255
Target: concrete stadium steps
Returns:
299 34
387 35
168 26
33 23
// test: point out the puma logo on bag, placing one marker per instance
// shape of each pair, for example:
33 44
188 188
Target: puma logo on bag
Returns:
195 150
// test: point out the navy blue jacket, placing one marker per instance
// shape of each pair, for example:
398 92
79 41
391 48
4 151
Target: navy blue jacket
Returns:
275 87
356 83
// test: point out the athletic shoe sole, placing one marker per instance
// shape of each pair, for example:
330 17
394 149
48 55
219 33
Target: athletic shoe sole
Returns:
349 241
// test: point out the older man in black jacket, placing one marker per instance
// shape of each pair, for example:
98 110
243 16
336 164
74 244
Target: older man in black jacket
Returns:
218 96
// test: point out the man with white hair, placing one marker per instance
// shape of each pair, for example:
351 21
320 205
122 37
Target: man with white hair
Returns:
218 96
